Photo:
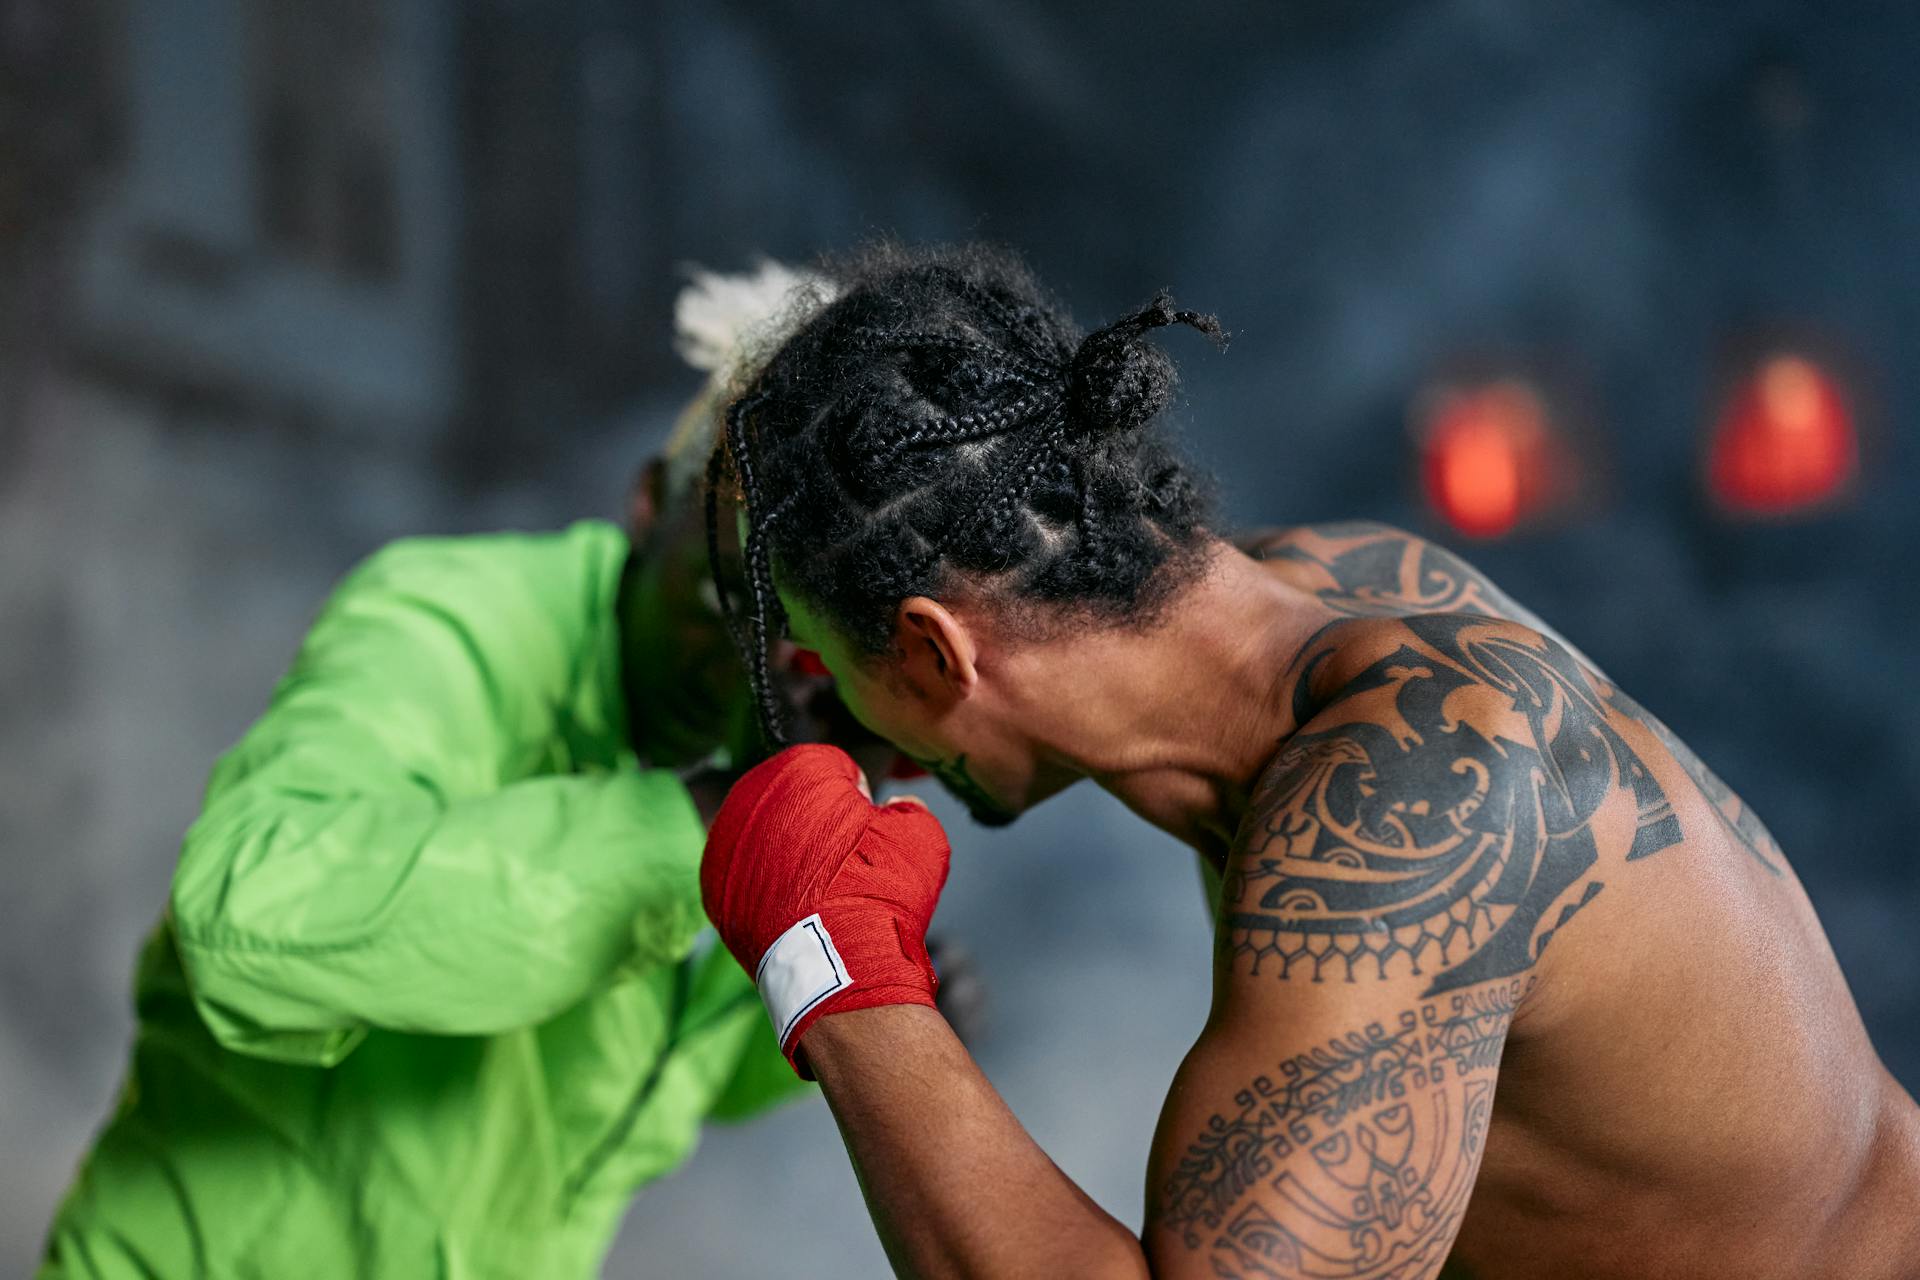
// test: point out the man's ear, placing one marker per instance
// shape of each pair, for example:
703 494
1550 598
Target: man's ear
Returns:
939 648
648 499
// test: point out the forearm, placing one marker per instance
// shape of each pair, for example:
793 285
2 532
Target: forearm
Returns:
956 1187
315 914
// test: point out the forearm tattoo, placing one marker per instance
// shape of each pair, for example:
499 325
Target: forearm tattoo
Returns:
1425 846
1354 1159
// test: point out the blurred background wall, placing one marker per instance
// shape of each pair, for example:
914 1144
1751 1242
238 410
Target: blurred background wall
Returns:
283 279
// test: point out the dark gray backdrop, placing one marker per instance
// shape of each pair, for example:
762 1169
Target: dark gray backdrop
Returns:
232 365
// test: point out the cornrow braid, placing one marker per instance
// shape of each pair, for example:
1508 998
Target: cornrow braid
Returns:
878 455
1031 372
1001 509
1025 469
717 472
1089 518
1030 317
971 426
759 568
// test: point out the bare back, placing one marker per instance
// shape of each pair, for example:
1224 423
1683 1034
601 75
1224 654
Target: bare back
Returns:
1685 1087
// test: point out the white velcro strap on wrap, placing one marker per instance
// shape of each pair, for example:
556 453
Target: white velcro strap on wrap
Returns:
799 970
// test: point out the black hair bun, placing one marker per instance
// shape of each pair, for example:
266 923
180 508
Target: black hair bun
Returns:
1117 381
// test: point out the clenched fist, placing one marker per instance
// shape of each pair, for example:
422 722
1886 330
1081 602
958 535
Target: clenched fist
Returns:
821 894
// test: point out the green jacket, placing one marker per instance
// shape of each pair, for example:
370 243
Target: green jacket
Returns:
427 1001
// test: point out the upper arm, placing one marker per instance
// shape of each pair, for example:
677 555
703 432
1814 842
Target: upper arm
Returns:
1405 860
1298 1149
430 677
439 665
418 802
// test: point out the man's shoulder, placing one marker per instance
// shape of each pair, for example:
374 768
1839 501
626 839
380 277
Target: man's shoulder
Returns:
1489 658
1319 539
1440 808
1367 568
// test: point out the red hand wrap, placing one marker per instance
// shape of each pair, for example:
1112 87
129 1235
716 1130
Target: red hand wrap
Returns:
796 839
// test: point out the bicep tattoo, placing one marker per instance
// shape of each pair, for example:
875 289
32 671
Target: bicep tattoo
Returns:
1353 1160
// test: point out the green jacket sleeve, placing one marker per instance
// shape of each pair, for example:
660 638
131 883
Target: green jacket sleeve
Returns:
761 1079
429 830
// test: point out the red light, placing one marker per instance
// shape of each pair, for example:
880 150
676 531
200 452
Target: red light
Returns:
1485 457
1785 441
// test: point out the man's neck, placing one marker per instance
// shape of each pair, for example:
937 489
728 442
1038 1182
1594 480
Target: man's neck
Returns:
1178 720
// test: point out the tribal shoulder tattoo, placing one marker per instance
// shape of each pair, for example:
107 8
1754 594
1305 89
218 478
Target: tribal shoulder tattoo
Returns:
1544 785
1376 570
1417 838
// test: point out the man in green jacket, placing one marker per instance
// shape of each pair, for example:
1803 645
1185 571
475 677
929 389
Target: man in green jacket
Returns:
430 997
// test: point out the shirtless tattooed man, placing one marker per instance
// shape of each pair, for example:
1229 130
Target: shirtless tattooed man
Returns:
1507 982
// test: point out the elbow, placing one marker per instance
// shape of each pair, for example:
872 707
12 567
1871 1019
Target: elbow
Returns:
1105 1252
204 875
270 867
223 857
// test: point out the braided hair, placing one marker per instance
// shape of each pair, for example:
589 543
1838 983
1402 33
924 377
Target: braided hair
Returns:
943 426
